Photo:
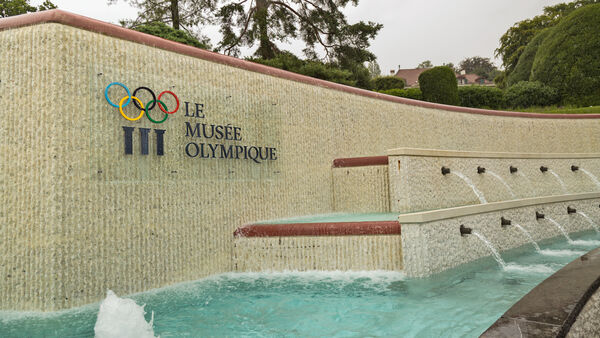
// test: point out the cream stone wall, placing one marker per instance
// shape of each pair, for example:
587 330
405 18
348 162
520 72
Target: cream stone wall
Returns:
416 182
77 216
376 252
361 189
588 321
435 246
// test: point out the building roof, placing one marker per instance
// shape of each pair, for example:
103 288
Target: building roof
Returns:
411 76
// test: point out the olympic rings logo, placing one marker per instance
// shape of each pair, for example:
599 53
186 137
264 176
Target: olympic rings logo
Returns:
126 100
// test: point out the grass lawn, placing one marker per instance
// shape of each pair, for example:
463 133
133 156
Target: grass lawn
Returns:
563 110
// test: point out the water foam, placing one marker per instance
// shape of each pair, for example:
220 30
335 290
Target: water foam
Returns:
536 268
561 253
122 317
581 242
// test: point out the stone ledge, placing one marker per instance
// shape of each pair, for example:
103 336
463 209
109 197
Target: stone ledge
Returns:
551 308
319 229
485 154
435 215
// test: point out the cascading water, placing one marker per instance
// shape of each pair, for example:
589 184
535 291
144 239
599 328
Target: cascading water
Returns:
562 184
493 250
528 235
503 182
564 232
470 183
591 176
590 221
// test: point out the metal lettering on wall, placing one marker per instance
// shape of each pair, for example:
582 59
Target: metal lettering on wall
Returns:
210 140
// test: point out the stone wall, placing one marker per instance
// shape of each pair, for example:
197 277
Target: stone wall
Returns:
78 216
587 323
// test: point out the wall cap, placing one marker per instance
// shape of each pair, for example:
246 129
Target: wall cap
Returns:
485 154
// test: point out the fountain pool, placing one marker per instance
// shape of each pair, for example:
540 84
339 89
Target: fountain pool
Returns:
463 301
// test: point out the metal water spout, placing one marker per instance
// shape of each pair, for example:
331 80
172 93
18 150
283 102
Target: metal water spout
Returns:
513 169
571 210
504 222
574 168
543 169
445 171
539 215
480 170
464 230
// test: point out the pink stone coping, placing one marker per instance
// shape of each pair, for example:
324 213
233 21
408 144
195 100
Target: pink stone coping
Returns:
360 161
320 229
93 25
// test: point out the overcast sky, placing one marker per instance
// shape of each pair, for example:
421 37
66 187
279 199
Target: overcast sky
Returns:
413 30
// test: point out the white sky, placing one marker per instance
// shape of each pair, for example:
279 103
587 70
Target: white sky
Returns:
413 30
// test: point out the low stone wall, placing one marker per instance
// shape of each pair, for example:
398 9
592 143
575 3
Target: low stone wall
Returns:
361 189
372 252
588 321
416 181
434 243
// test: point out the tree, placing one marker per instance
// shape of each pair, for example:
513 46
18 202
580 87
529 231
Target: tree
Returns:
162 30
439 85
522 71
387 82
180 14
478 65
451 66
319 23
568 59
513 42
374 70
425 64
17 7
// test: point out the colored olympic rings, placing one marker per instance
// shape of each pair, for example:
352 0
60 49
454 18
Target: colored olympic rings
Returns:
138 103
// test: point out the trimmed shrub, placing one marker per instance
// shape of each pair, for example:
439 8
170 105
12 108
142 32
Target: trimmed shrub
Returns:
409 93
569 58
167 32
387 82
522 71
527 94
438 84
480 97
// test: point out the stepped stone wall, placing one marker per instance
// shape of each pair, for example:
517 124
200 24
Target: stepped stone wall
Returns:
79 216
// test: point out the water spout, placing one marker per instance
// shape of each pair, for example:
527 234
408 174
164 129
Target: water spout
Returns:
503 182
480 170
539 215
571 210
562 184
590 221
543 169
464 230
528 235
564 232
445 171
513 169
574 168
493 250
504 222
592 177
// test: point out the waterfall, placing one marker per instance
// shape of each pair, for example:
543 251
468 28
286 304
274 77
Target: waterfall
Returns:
503 182
537 247
589 220
470 183
493 250
564 232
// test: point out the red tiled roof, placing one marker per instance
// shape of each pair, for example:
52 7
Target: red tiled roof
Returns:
411 76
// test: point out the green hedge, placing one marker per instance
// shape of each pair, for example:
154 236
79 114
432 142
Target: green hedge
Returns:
522 71
409 93
387 82
569 57
528 94
438 84
481 97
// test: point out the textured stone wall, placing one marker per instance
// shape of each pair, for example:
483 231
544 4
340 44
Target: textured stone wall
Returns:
587 323
383 252
77 216
361 189
436 246
416 182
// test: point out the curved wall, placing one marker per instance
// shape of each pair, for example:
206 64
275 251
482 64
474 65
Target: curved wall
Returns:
78 216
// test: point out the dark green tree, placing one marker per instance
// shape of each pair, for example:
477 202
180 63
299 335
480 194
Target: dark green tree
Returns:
522 71
514 41
568 59
166 32
438 84
478 65
16 7
425 64
387 82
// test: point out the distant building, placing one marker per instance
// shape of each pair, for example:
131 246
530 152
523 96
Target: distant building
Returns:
411 78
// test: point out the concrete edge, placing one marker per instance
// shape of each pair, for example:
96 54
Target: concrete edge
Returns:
319 229
486 154
97 26
436 215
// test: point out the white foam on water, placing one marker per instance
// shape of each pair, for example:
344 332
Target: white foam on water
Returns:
536 268
503 182
561 253
472 185
122 317
582 242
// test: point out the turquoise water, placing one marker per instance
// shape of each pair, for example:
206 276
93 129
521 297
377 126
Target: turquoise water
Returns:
460 302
